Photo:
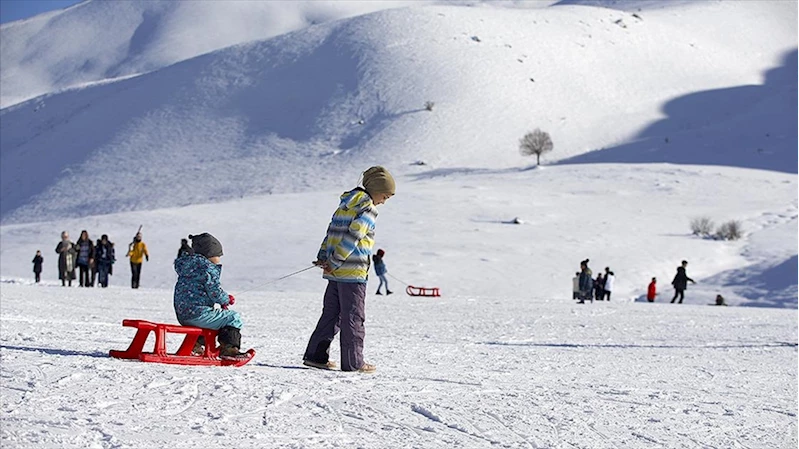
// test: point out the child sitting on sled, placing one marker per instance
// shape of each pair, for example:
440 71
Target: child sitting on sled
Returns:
198 290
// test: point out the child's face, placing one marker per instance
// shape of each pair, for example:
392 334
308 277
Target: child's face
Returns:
381 198
216 260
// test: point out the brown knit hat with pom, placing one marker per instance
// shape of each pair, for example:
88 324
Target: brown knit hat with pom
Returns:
378 180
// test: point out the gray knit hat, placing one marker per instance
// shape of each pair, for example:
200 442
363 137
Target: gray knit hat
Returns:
206 245
378 180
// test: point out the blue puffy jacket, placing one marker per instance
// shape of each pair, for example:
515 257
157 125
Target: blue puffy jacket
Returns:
198 287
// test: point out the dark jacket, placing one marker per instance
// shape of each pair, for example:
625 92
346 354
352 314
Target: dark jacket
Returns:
586 280
85 249
66 260
104 253
681 279
37 264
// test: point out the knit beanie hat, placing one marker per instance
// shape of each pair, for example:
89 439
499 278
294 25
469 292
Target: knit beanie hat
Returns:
206 245
378 180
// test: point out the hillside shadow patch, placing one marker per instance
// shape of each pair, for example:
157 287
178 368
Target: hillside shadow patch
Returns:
751 126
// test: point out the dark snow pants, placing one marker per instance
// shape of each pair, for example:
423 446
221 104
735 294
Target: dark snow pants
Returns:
135 272
343 308
680 293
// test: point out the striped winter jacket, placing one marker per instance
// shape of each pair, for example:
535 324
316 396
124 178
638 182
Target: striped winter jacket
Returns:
347 247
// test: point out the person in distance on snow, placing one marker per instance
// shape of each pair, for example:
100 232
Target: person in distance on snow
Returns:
380 271
651 291
66 259
198 289
38 260
104 257
586 282
607 287
680 282
85 249
137 251
345 258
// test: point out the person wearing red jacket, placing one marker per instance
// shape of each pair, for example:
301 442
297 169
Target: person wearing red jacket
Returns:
651 292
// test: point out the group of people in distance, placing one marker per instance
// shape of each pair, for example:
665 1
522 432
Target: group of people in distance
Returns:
94 261
584 287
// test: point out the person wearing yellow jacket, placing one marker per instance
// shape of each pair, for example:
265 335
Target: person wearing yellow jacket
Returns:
137 253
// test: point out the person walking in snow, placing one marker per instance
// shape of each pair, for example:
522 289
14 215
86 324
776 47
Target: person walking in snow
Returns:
345 258
651 291
576 286
610 278
381 270
599 285
586 283
38 260
66 259
104 257
137 251
198 289
680 282
85 249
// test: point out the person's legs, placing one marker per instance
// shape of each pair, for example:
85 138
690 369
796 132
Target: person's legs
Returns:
318 349
379 286
682 295
384 280
82 275
352 298
607 294
135 269
102 274
676 292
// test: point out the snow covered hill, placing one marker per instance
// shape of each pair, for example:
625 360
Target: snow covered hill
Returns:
97 40
306 110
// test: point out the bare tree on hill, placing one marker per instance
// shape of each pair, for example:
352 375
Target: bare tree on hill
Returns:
536 142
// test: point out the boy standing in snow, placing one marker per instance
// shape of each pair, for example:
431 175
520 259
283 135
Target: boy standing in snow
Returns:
345 257
37 266
680 282
651 291
586 283
198 290
380 271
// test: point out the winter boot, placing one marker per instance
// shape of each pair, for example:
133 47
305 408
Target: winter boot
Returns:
378 293
388 292
229 343
367 368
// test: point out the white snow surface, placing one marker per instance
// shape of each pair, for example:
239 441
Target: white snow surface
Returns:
685 110
512 372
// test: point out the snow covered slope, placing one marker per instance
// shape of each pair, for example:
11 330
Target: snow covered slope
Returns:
509 372
104 39
307 110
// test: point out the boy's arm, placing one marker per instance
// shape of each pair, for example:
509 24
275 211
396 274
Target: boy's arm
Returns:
144 250
360 226
215 291
322 254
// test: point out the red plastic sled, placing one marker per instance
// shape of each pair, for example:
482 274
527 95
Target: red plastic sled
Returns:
183 356
422 291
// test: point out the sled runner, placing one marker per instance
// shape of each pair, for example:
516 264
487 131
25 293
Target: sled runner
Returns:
183 356
422 291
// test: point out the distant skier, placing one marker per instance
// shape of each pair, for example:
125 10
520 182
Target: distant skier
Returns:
586 282
198 289
104 256
651 291
137 251
66 259
381 270
38 260
680 282
345 258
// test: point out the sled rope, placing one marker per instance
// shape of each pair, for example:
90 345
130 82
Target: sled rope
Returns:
398 280
276 280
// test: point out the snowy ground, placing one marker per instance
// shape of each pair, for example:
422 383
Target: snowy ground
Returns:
452 372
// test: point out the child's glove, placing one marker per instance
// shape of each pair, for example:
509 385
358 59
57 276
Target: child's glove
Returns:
231 300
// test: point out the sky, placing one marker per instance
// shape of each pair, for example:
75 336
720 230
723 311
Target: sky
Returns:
11 10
